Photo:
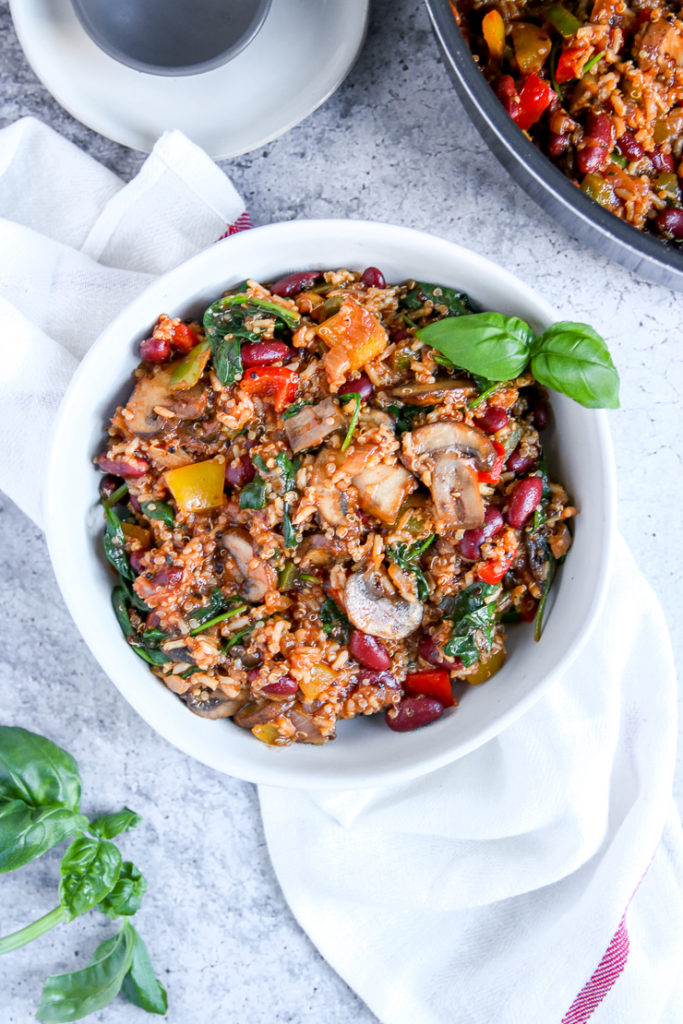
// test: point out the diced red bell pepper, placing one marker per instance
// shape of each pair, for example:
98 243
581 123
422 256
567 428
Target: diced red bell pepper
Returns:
493 475
493 571
534 96
430 684
277 381
571 62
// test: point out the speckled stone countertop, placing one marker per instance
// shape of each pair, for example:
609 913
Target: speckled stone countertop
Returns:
393 144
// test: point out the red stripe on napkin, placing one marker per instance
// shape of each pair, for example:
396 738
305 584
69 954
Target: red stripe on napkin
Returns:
602 979
243 223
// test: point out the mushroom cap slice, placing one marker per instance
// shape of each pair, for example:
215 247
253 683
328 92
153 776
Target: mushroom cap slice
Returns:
429 394
155 390
313 424
257 576
213 704
372 611
454 485
449 434
383 489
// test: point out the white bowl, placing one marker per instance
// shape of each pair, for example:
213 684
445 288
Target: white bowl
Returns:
365 752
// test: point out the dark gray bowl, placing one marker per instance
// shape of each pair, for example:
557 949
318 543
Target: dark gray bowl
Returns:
172 37
640 252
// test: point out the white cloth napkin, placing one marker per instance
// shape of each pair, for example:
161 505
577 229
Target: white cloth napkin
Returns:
536 881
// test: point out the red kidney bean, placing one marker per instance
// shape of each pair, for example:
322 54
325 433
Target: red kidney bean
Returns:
109 484
508 95
662 161
264 353
492 419
518 463
597 143
557 144
252 675
137 507
369 651
362 385
432 653
630 147
472 540
599 129
524 500
167 577
413 713
671 222
400 334
240 474
369 677
284 687
541 414
152 621
294 283
136 561
128 466
373 278
591 158
155 350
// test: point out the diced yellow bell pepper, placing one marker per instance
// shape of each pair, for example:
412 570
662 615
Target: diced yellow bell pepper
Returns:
355 336
321 677
494 33
186 372
131 531
197 487
486 669
267 732
532 46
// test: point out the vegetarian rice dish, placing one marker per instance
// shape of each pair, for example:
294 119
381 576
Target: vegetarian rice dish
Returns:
314 514
598 86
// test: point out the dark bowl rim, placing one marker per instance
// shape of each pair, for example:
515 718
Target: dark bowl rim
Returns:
540 174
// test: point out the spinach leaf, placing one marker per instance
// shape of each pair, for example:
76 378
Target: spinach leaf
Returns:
333 620
292 410
140 985
90 869
115 544
229 614
288 532
490 345
68 997
405 414
148 653
351 396
236 637
457 303
26 832
199 616
116 495
253 495
159 510
125 898
107 826
474 619
288 469
547 583
541 512
224 324
119 600
407 557
574 359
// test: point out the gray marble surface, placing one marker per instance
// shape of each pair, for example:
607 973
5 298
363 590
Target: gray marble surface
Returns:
392 144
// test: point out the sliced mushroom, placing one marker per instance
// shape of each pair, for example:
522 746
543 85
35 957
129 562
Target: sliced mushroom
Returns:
455 491
317 549
428 394
383 489
331 503
212 703
257 576
313 424
371 610
448 434
259 712
154 390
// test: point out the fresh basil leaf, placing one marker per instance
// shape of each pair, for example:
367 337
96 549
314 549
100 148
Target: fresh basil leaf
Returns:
253 495
140 985
489 344
90 869
125 898
572 358
26 832
159 510
109 825
457 303
351 396
36 770
333 620
68 997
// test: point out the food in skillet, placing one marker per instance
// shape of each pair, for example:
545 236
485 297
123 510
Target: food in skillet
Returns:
330 498
598 86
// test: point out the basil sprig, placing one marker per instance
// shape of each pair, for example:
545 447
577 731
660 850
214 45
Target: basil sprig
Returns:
568 357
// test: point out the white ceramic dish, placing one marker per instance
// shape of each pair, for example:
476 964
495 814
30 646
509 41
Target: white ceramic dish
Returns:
298 59
365 753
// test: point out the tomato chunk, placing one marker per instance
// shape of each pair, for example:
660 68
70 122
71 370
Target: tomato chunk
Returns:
275 381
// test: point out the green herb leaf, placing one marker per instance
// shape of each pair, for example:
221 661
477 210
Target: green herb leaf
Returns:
260 463
115 544
572 358
90 869
474 619
253 495
288 469
590 64
27 832
489 344
119 600
288 532
457 303
140 985
229 614
239 635
159 510
292 410
407 557
333 620
107 826
215 604
125 898
68 997
116 495
351 396
405 414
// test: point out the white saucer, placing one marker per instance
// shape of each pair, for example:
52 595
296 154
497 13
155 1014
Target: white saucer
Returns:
301 55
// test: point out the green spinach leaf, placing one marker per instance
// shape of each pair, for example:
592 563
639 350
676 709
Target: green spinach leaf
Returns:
457 303
159 510
474 618
333 620
355 397
253 495
115 544
407 557
405 414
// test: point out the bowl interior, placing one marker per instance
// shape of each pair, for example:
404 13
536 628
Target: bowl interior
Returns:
365 753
